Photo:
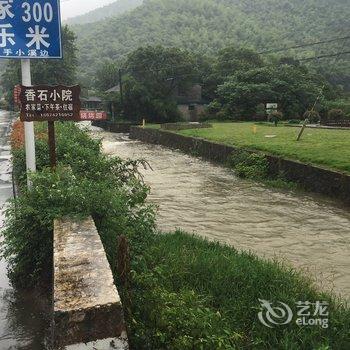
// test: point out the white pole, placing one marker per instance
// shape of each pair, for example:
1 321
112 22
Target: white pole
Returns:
28 126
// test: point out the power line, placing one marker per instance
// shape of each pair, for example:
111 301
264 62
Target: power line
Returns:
304 45
185 66
269 65
269 51
324 56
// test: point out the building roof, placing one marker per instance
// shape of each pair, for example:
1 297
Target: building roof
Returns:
113 89
91 99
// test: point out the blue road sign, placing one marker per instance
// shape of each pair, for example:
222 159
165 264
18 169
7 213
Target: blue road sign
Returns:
30 29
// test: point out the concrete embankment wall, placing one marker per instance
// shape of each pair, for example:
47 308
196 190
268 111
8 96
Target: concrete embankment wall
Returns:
87 306
114 126
313 178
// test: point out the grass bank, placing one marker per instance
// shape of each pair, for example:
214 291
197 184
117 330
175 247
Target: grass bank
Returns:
327 148
182 292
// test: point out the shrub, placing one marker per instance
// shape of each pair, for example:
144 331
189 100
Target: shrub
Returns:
249 165
336 114
343 104
294 121
224 115
214 107
312 116
85 183
260 113
276 115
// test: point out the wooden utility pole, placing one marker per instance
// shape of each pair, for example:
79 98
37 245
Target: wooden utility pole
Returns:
52 144
121 89
312 109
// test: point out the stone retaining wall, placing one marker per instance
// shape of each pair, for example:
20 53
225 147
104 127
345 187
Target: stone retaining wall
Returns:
316 179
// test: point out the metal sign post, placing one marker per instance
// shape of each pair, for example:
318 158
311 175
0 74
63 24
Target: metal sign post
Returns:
30 29
28 126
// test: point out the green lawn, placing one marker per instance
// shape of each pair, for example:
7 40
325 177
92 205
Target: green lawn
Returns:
328 148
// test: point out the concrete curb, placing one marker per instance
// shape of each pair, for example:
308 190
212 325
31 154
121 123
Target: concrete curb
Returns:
87 306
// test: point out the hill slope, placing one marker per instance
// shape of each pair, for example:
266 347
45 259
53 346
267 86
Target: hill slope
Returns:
208 25
115 9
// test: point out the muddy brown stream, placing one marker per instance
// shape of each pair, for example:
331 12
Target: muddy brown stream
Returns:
308 231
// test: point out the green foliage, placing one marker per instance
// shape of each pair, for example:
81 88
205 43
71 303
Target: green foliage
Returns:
261 111
312 116
342 105
207 26
293 88
294 121
181 320
155 67
85 183
152 77
155 75
106 76
226 63
336 114
249 165
276 117
189 294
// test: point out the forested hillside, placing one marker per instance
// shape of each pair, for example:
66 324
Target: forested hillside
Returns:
205 26
112 10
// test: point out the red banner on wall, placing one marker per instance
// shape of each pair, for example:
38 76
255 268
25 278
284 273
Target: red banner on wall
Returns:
16 94
93 115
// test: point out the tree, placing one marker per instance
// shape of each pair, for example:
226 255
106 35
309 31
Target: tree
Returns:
154 75
106 76
292 87
49 72
228 62
162 70
207 26
233 59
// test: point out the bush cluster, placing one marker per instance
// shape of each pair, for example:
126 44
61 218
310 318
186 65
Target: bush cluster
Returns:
249 165
85 183
182 292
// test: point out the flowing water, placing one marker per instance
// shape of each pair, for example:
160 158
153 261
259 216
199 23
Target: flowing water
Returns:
309 231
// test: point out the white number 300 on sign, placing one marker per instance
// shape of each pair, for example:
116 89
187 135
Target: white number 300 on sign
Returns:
37 12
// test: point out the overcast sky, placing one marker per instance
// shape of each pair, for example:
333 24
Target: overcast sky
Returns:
72 8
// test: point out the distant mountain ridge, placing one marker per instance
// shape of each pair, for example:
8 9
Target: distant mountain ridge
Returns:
206 26
112 10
